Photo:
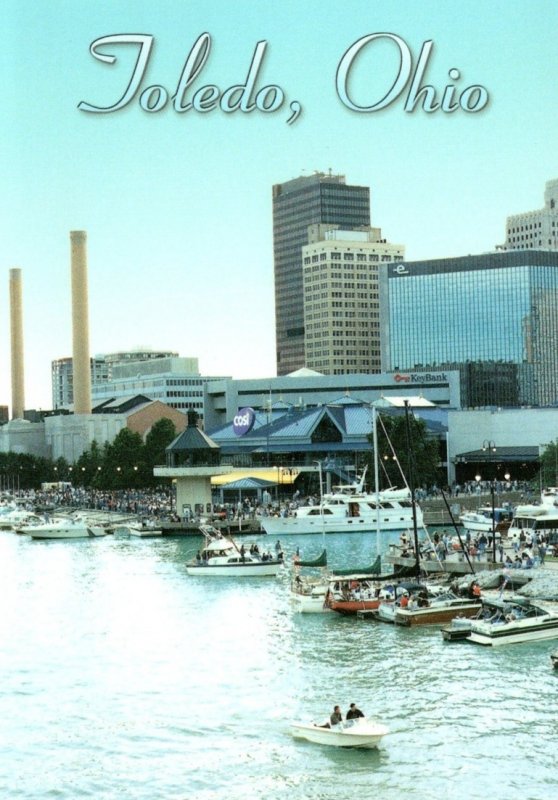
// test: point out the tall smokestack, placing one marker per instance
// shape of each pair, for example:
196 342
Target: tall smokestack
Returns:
80 324
16 335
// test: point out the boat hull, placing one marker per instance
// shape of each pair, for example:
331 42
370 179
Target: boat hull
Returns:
435 615
248 570
71 532
298 526
365 736
527 631
353 606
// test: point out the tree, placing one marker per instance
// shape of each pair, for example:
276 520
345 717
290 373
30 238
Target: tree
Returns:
549 465
157 440
422 456
123 463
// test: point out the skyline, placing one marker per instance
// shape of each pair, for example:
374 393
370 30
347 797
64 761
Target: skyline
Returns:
177 207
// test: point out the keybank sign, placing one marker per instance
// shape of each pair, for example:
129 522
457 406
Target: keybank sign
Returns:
421 377
243 421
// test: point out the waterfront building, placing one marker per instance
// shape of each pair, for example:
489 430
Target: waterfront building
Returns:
159 375
341 301
173 380
535 230
298 203
492 317
306 388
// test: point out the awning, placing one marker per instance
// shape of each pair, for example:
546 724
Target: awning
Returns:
283 476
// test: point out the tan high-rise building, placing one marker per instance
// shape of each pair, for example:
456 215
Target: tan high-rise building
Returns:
16 339
80 323
341 298
535 230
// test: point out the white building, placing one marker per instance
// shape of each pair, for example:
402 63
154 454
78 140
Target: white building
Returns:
341 298
535 230
173 380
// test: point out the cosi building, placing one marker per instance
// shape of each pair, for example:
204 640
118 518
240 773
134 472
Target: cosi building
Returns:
492 317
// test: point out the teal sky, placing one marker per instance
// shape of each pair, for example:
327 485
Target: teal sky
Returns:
177 206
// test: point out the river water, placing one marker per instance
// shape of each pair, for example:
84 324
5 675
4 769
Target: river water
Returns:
122 677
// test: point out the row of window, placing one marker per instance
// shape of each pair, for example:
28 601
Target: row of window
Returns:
336 256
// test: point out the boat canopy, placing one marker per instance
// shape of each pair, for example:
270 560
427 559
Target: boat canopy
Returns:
374 569
320 561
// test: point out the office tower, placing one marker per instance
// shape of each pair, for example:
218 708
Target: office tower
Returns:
493 317
16 342
298 203
535 230
341 301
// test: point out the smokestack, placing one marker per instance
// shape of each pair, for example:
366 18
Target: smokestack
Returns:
80 324
16 336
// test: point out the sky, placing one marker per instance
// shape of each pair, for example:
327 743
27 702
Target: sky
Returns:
177 203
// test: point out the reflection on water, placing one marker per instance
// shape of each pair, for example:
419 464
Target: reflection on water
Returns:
124 677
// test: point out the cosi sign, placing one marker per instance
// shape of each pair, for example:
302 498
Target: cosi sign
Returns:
243 421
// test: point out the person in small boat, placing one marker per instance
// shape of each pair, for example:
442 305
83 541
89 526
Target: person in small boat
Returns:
354 712
335 718
198 557
242 552
404 602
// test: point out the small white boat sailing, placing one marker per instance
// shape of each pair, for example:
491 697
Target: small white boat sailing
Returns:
362 733
221 556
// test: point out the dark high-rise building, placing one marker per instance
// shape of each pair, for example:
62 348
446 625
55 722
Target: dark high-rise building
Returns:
304 201
493 317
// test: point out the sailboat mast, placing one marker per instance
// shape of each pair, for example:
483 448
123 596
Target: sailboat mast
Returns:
411 480
376 475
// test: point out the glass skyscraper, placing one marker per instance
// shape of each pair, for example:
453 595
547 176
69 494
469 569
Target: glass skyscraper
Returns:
493 317
304 201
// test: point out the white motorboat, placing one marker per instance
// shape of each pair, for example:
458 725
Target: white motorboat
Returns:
64 529
514 621
349 509
13 520
221 556
144 529
362 733
482 520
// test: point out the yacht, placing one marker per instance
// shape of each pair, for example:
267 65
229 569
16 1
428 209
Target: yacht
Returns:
222 556
64 529
512 621
349 509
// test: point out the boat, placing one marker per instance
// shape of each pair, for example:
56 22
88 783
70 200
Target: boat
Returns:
144 529
221 556
351 591
64 529
307 592
362 733
436 610
349 509
483 521
534 520
513 621
15 519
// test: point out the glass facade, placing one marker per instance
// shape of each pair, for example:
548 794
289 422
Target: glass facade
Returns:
296 205
493 317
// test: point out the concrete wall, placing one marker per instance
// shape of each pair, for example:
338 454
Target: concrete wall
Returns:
70 436
21 436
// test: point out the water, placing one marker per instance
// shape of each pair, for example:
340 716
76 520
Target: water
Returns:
122 677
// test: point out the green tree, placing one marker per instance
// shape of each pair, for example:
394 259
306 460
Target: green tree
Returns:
549 465
88 466
162 433
399 451
123 463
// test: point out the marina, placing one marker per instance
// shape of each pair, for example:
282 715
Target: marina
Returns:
148 673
